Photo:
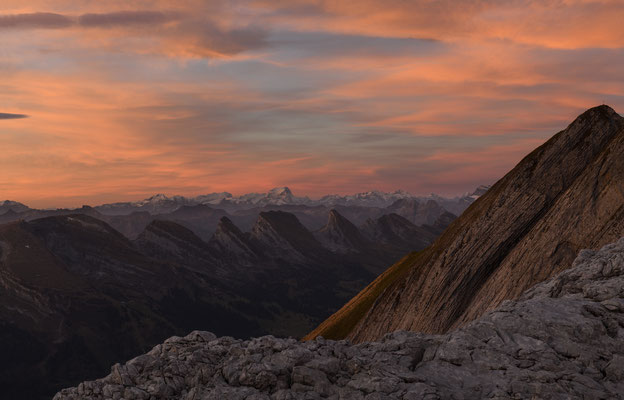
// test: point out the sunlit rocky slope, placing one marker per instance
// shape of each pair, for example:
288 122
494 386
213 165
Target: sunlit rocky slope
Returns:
564 196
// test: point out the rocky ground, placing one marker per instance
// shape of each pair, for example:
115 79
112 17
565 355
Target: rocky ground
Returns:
562 339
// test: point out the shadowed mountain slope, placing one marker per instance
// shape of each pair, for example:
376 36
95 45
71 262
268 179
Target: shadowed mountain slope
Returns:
229 241
70 308
341 236
282 235
564 196
77 295
417 212
395 230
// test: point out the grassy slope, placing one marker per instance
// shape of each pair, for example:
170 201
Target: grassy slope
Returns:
340 324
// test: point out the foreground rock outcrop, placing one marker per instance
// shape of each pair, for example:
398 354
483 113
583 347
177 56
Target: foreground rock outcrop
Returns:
562 339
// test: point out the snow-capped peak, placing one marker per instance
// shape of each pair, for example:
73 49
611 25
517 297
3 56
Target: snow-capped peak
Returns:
212 198
373 198
157 197
280 191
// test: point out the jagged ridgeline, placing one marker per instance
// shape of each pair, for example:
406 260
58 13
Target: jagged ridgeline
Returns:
566 195
77 296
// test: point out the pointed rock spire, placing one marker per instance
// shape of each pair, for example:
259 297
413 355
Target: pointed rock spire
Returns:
341 236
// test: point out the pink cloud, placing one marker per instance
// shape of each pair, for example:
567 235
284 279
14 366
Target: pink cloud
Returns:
193 96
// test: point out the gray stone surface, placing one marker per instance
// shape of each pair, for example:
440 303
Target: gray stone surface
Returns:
562 339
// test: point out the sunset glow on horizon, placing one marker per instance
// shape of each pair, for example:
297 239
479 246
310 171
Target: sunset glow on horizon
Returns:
118 100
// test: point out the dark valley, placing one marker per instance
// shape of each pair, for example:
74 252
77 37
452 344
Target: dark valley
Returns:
86 288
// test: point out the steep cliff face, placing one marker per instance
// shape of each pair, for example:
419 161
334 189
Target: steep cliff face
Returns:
562 339
564 196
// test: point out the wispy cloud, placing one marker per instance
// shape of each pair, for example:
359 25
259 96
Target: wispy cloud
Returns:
126 18
172 33
190 96
35 20
47 20
12 116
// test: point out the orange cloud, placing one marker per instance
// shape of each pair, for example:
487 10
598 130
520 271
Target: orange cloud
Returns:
550 23
128 98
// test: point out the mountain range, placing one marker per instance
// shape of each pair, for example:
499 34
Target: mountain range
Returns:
83 289
281 196
201 214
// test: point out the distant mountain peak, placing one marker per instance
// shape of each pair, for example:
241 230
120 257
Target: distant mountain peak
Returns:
12 205
158 197
282 232
282 191
340 235
226 225
230 239
280 195
372 198
335 218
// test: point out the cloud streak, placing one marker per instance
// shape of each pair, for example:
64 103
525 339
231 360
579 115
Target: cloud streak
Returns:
12 116
126 18
171 33
46 20
35 20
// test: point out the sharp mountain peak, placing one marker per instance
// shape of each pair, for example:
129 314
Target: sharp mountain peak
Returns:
564 196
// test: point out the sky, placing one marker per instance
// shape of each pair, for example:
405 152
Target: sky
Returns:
116 100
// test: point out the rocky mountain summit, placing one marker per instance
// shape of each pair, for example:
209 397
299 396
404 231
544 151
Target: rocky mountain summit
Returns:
564 196
561 339
341 236
8 206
